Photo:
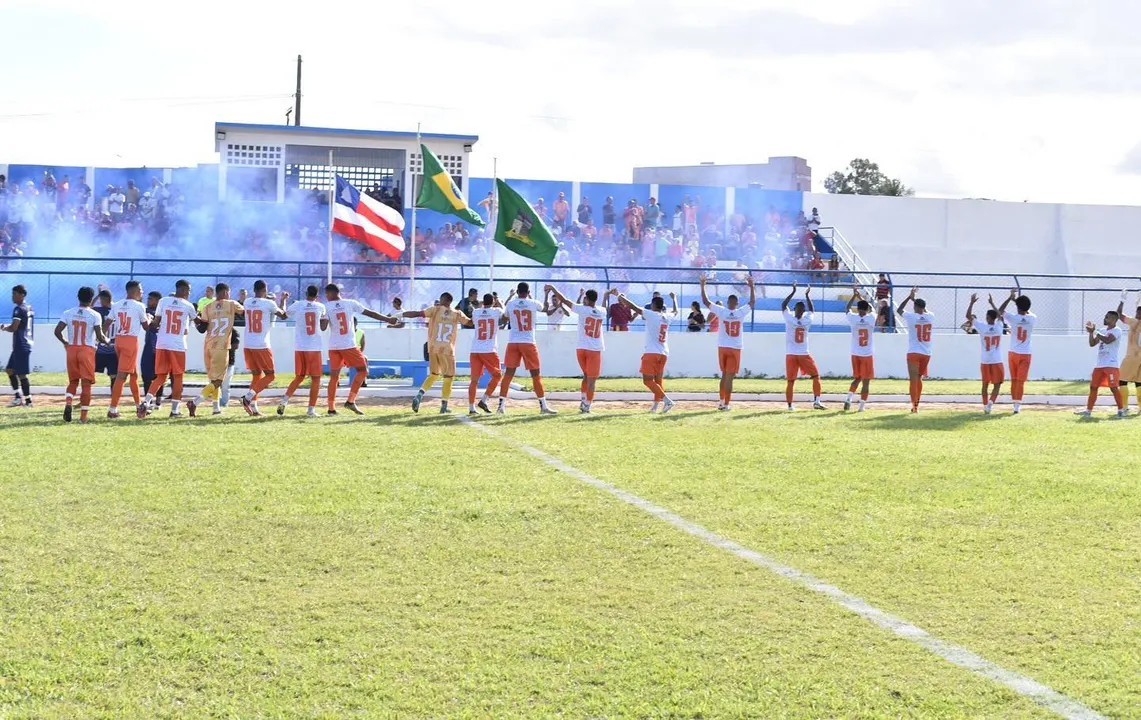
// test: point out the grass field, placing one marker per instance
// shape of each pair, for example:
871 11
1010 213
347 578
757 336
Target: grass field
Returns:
409 566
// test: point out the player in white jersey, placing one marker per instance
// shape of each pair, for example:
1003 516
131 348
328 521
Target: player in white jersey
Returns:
343 349
730 325
863 325
1106 372
172 319
309 321
656 350
521 313
131 320
1022 326
920 325
84 328
990 337
591 341
797 359
484 352
260 313
1131 361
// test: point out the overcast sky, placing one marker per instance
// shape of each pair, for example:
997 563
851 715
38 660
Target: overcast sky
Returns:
1008 99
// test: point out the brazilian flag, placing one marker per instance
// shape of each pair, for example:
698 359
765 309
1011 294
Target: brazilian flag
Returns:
439 193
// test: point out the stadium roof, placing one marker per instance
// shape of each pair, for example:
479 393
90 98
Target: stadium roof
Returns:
302 129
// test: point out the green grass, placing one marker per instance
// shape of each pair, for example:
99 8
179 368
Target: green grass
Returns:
744 385
407 566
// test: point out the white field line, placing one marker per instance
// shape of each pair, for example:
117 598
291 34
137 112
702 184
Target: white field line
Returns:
1048 698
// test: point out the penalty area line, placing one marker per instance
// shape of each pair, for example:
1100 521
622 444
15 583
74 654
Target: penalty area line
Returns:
1047 697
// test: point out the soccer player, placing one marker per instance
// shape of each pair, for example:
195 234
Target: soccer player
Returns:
1022 326
730 321
131 320
863 324
919 326
147 358
1131 363
260 312
216 320
343 350
1106 372
23 337
173 318
591 342
309 321
797 359
520 312
484 352
444 324
106 361
656 350
84 327
990 335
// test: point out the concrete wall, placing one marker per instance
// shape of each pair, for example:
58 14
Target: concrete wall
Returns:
692 355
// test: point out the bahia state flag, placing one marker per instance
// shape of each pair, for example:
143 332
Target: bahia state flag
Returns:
357 216
439 193
520 230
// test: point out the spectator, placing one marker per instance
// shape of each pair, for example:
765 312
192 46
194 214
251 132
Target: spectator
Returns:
696 321
817 266
689 215
132 196
562 256
469 303
561 210
814 221
650 305
632 219
82 192
620 317
883 287
884 317
678 221
585 212
541 210
714 321
206 299
653 214
609 215
62 193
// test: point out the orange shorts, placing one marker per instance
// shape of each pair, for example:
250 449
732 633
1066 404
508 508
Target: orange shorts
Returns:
525 354
1019 366
729 360
170 362
484 361
259 360
923 361
350 358
653 364
80 363
799 365
127 351
1105 377
590 361
993 373
307 363
863 367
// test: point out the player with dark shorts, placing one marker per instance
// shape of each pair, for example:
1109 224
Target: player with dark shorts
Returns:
23 332
106 361
150 344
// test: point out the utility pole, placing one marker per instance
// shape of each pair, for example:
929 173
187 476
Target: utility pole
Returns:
297 96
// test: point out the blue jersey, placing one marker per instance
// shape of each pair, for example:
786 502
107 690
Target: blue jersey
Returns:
25 335
150 341
107 348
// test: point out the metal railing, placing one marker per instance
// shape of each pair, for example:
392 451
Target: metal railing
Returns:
1062 303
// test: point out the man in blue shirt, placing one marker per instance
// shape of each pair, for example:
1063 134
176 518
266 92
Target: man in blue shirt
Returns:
150 343
23 335
105 358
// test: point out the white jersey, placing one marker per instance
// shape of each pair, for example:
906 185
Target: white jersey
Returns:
523 314
175 316
863 332
260 313
306 316
1107 353
130 317
81 323
486 324
657 331
730 324
990 338
796 332
591 322
919 328
342 334
1021 330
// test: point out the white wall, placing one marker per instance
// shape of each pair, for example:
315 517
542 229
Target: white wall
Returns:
693 354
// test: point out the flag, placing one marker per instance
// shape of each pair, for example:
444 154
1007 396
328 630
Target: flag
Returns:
520 230
438 192
357 216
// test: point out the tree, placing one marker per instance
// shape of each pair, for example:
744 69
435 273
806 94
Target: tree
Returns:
864 177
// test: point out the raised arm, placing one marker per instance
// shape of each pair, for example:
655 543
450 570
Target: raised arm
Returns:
787 300
903 304
704 296
379 316
1121 305
282 303
852 300
808 298
411 314
971 307
551 290
752 290
623 300
1002 308
673 299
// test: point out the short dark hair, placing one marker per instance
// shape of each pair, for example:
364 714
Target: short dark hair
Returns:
132 285
991 315
182 284
312 291
332 287
921 303
1022 303
488 299
657 304
20 290
259 285
154 293
799 305
105 294
592 295
523 289
446 297
733 297
472 291
86 295
1115 315
863 305
220 287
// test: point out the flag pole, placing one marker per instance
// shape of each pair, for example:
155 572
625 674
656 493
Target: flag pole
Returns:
412 263
493 220
332 199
